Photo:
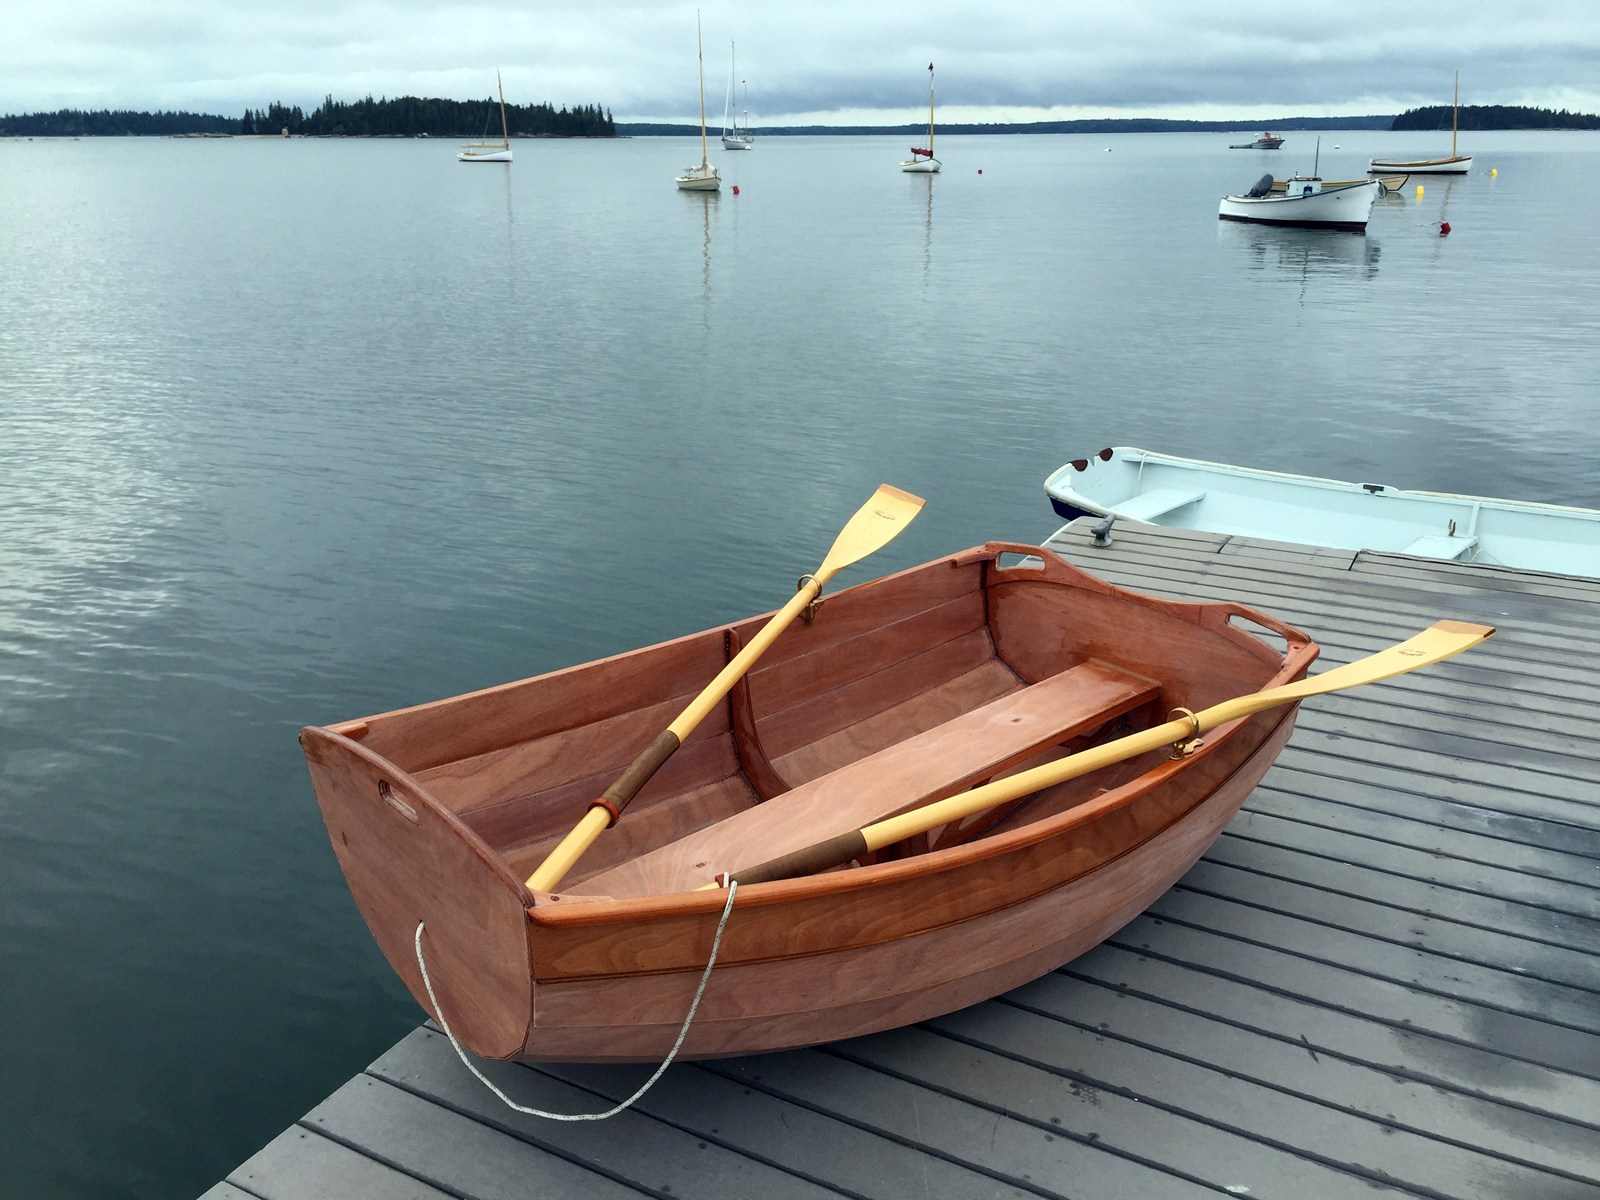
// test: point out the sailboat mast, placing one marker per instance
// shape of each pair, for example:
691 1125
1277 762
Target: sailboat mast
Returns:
1455 114
930 110
505 133
699 48
733 69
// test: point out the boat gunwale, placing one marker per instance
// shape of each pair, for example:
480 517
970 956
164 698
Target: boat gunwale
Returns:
1316 481
1382 163
1282 198
595 911
1299 654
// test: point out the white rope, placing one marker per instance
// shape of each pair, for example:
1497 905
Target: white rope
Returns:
716 945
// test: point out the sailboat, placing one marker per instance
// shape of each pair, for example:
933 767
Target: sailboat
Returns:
1454 165
491 151
703 178
923 161
733 137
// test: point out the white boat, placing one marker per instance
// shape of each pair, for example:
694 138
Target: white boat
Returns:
1454 165
733 136
1161 489
1304 203
1267 141
922 161
703 178
491 151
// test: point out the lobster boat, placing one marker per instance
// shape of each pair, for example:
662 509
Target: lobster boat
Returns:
891 698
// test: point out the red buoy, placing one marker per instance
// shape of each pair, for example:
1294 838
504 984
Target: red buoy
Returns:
980 170
736 189
1444 229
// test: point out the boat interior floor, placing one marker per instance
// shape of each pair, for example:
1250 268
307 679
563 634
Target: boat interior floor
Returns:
963 752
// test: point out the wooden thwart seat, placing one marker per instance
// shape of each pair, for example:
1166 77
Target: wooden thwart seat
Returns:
919 770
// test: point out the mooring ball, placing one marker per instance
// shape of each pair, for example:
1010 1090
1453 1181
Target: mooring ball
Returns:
736 189
1444 229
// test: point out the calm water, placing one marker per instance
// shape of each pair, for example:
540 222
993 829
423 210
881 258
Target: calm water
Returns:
296 431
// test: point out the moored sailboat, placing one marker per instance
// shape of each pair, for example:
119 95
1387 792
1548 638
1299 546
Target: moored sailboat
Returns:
703 178
922 160
1454 165
733 136
491 151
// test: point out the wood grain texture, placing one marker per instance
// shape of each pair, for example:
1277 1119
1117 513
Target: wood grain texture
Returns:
413 861
764 779
923 710
831 994
957 753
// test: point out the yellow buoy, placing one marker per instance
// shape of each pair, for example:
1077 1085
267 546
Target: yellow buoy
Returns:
1493 171
1419 191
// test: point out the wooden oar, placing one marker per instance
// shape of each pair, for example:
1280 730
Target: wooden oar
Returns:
1444 640
876 524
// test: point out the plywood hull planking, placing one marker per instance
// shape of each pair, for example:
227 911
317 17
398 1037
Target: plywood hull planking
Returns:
436 813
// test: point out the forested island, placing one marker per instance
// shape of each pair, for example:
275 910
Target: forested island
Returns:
404 116
1495 116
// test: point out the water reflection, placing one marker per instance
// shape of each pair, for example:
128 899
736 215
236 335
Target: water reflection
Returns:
926 182
1302 253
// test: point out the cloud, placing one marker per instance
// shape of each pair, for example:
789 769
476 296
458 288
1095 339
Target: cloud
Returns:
1011 60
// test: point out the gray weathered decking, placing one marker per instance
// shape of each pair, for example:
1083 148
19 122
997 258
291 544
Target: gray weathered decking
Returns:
1385 976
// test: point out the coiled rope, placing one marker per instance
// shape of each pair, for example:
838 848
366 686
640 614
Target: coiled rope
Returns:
716 945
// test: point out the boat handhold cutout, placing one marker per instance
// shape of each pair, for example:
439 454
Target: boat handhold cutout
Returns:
1444 229
1182 748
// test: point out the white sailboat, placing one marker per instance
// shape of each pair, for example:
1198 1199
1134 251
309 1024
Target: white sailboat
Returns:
733 137
923 161
703 178
1454 165
491 151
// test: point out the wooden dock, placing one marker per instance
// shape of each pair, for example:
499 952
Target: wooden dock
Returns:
1383 978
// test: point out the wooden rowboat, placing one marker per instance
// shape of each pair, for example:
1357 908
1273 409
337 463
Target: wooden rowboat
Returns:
897 693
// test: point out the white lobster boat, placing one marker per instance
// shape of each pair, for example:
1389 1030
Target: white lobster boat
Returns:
1162 489
1304 203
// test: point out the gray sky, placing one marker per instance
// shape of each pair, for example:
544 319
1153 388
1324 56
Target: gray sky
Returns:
829 61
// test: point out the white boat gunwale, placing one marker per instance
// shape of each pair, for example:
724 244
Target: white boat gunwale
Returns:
1487 531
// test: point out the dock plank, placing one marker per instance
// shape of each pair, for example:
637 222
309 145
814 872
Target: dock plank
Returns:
300 1164
1450 1124
634 1148
1324 1029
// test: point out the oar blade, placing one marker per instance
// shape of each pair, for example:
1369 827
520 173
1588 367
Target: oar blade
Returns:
1442 640
876 523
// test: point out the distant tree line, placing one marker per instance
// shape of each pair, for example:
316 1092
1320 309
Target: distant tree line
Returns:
409 116
1495 116
70 122
404 116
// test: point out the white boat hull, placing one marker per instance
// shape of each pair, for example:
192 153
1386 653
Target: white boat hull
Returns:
734 143
921 166
1336 208
1160 489
500 156
1435 166
700 183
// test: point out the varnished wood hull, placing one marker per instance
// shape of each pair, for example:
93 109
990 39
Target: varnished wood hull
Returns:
435 813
